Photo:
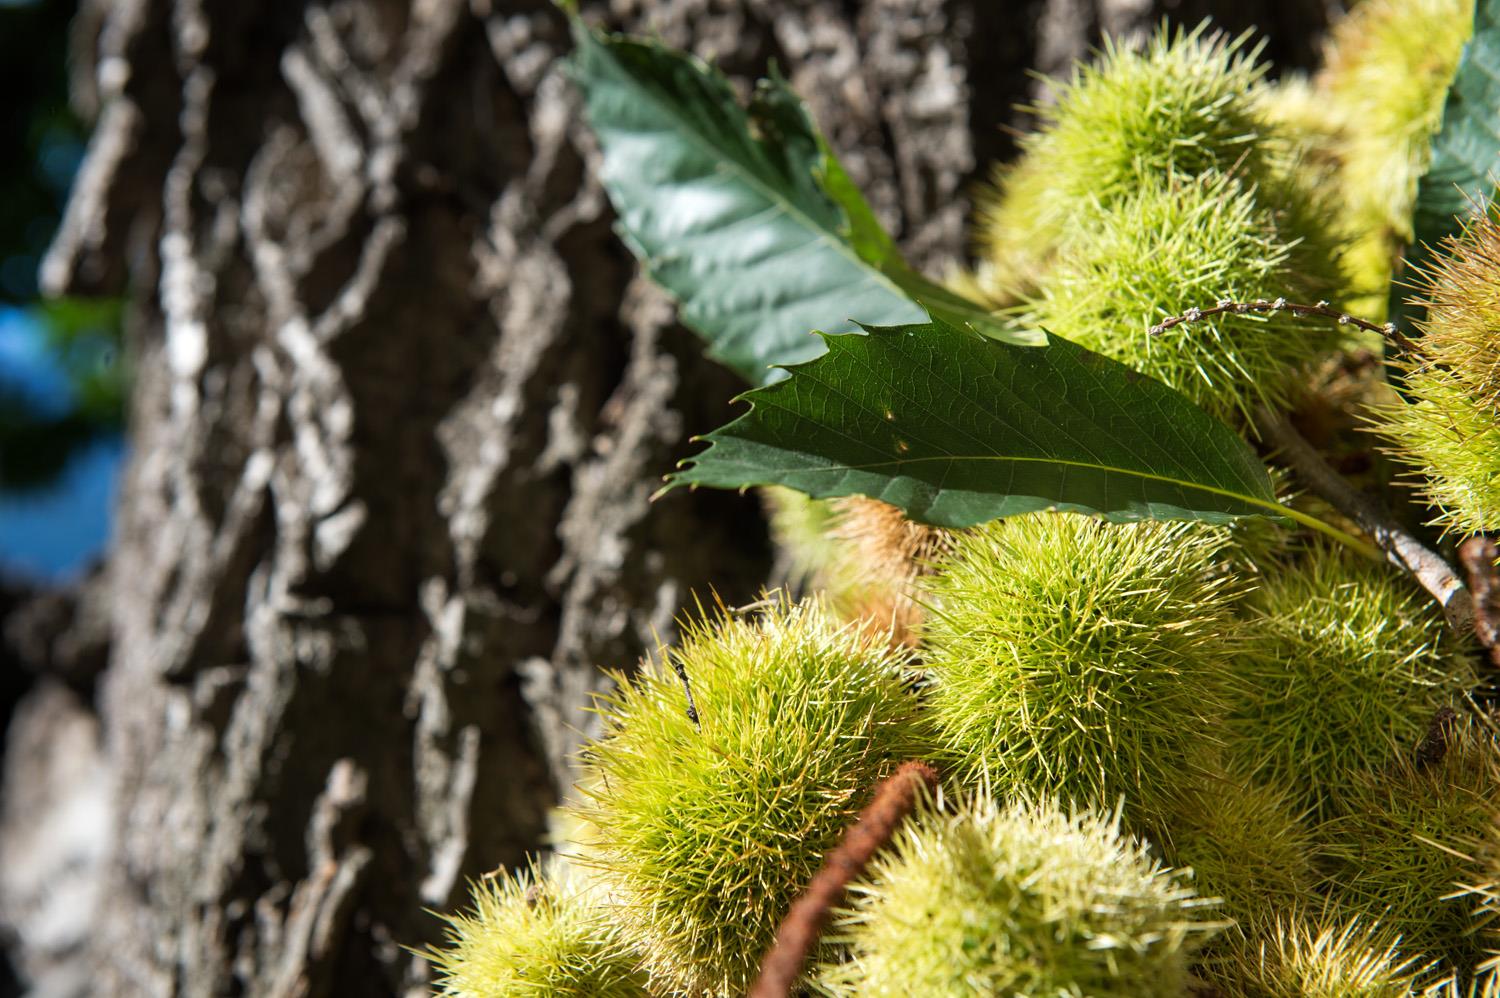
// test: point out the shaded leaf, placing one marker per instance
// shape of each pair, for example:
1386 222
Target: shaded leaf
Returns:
956 429
726 211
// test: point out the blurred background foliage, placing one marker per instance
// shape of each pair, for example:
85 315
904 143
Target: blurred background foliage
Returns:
62 379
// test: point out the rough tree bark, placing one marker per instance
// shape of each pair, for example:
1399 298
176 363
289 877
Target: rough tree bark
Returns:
400 403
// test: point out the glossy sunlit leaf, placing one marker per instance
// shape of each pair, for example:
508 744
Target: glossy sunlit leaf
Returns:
956 429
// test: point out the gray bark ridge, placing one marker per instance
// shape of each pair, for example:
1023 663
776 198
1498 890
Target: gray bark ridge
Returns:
400 403
386 511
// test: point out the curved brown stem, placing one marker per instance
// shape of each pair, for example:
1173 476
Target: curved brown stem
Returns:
799 930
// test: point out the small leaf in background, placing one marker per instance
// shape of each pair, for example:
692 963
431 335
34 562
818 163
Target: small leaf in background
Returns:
1465 156
726 211
956 429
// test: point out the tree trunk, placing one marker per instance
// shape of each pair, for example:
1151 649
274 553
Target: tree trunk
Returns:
400 404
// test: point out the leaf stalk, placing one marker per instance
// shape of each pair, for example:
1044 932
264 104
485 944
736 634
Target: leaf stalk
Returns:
1401 548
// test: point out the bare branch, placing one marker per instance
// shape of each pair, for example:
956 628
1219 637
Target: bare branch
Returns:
1322 308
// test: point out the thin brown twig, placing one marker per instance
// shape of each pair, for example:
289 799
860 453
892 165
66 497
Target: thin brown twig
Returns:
799 930
1480 558
1322 308
1402 549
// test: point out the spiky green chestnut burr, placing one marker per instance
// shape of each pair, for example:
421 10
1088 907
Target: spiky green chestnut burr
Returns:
1017 900
1462 299
802 529
1293 107
1014 237
1401 844
532 934
1079 658
1302 958
1484 893
1387 68
1175 243
1463 311
1183 104
1343 658
1452 445
706 830
1447 428
1485 984
1247 842
863 555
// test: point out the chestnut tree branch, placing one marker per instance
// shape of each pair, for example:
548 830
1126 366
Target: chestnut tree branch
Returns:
1425 565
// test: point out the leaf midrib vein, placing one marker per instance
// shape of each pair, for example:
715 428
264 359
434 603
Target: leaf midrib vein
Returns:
1180 483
